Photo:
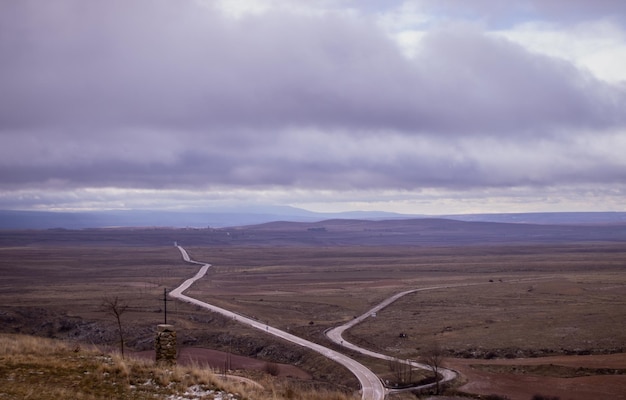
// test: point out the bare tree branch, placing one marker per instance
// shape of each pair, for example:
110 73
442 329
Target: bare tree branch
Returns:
433 357
403 372
115 307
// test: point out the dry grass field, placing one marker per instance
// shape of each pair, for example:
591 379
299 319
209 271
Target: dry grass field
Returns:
515 302
512 300
555 298
57 292
42 369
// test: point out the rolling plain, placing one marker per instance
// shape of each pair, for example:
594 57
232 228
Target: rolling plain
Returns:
527 309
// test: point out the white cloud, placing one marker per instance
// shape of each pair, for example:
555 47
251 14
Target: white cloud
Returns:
599 46
433 201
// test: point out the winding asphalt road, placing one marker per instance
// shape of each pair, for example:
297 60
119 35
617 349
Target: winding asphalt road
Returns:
336 335
371 387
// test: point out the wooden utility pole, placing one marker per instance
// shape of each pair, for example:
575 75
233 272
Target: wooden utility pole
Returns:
165 300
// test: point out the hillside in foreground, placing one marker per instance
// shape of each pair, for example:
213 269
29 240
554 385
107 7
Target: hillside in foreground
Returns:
41 369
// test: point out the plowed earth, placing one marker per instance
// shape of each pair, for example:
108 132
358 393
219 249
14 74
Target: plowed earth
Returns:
220 361
520 379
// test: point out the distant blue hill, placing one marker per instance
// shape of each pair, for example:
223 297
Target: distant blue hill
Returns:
12 219
547 218
229 217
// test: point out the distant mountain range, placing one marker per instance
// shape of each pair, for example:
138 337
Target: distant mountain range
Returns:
231 217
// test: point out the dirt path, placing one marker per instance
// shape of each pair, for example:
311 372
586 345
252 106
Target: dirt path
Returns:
518 384
220 361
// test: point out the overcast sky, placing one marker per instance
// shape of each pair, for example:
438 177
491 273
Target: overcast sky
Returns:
426 106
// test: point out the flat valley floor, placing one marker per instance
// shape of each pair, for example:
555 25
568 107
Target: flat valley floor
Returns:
516 318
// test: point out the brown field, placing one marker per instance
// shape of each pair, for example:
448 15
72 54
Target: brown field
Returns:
528 299
57 291
42 369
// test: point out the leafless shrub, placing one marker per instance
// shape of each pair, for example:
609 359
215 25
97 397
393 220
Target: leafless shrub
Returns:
402 371
115 307
433 357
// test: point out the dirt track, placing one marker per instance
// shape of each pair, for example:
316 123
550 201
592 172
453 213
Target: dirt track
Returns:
219 360
518 386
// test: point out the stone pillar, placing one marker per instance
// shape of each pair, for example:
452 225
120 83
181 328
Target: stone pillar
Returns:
165 344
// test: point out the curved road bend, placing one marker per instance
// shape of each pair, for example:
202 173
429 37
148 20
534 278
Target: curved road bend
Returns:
336 335
371 387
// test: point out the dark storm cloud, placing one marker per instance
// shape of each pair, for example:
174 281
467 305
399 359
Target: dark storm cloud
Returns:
173 94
